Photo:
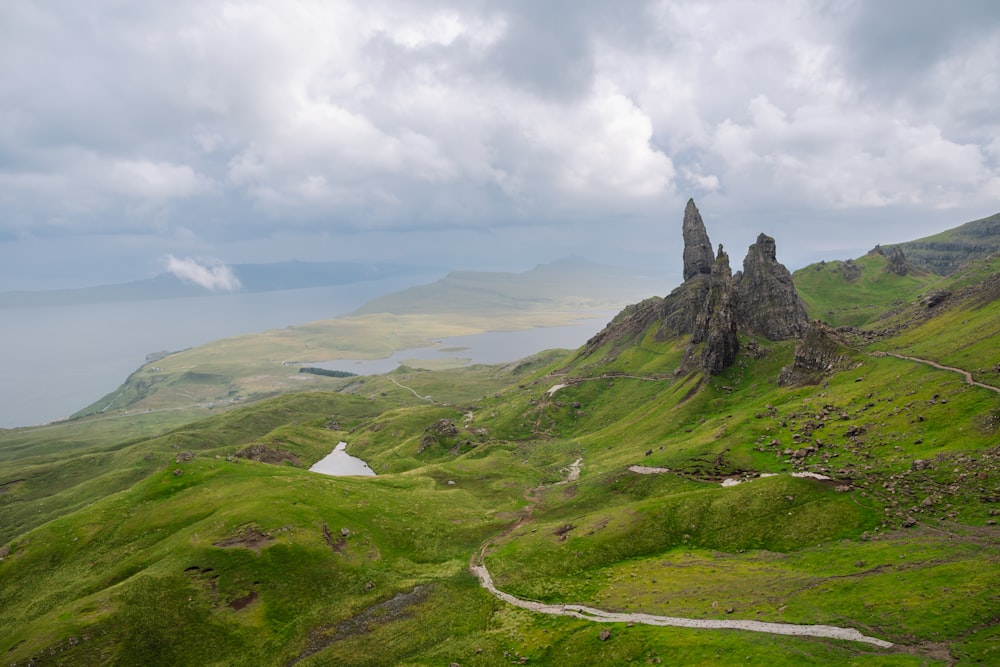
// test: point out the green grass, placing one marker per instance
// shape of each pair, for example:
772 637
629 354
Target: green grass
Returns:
856 293
122 549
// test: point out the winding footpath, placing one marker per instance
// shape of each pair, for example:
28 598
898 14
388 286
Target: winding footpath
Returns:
414 392
964 373
478 568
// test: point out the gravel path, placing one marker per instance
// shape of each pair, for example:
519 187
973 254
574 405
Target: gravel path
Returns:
478 568
599 615
964 373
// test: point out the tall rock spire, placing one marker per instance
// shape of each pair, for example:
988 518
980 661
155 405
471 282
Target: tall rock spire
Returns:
698 258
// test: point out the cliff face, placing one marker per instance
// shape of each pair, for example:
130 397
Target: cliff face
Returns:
766 301
716 324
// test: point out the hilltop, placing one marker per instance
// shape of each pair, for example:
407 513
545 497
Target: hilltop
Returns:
944 253
720 454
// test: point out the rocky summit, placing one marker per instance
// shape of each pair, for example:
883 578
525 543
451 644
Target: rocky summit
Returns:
713 306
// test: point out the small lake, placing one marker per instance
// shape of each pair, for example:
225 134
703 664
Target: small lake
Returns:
492 347
339 463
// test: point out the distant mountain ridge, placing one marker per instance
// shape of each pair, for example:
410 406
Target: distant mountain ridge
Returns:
268 277
542 287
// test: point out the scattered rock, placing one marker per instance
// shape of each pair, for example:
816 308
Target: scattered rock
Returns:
265 454
444 427
249 536
605 635
934 298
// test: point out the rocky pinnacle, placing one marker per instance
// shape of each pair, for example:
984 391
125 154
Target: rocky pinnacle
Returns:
766 301
698 258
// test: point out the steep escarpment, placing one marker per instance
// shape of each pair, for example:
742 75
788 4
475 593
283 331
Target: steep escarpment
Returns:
946 252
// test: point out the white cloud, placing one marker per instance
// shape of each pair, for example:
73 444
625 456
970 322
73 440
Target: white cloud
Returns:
210 274
242 119
156 180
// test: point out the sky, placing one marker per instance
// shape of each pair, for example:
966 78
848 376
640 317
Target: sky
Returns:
137 138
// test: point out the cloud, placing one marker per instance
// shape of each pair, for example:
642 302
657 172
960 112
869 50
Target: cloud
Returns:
210 274
240 121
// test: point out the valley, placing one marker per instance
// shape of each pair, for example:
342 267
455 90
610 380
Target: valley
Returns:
568 508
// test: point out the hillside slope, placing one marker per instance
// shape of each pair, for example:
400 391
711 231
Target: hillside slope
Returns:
812 480
944 253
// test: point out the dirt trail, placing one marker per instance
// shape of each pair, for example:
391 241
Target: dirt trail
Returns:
478 568
964 373
599 615
607 376
414 392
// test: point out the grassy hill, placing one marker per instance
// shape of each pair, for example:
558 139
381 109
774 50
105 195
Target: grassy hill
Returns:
185 546
854 292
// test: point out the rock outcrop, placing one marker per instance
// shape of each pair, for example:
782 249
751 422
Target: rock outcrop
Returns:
712 305
698 259
820 353
895 258
766 301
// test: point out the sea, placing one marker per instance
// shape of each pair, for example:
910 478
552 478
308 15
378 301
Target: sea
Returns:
56 360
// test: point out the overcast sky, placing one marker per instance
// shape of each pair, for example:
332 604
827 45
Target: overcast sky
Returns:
471 134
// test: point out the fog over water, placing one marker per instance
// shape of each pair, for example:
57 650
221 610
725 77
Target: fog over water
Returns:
55 360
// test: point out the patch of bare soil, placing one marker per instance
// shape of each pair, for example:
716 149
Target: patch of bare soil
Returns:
336 544
250 537
394 609
7 487
265 454
241 603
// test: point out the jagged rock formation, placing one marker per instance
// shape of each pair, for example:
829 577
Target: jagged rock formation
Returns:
716 325
712 305
897 262
698 257
820 353
766 301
